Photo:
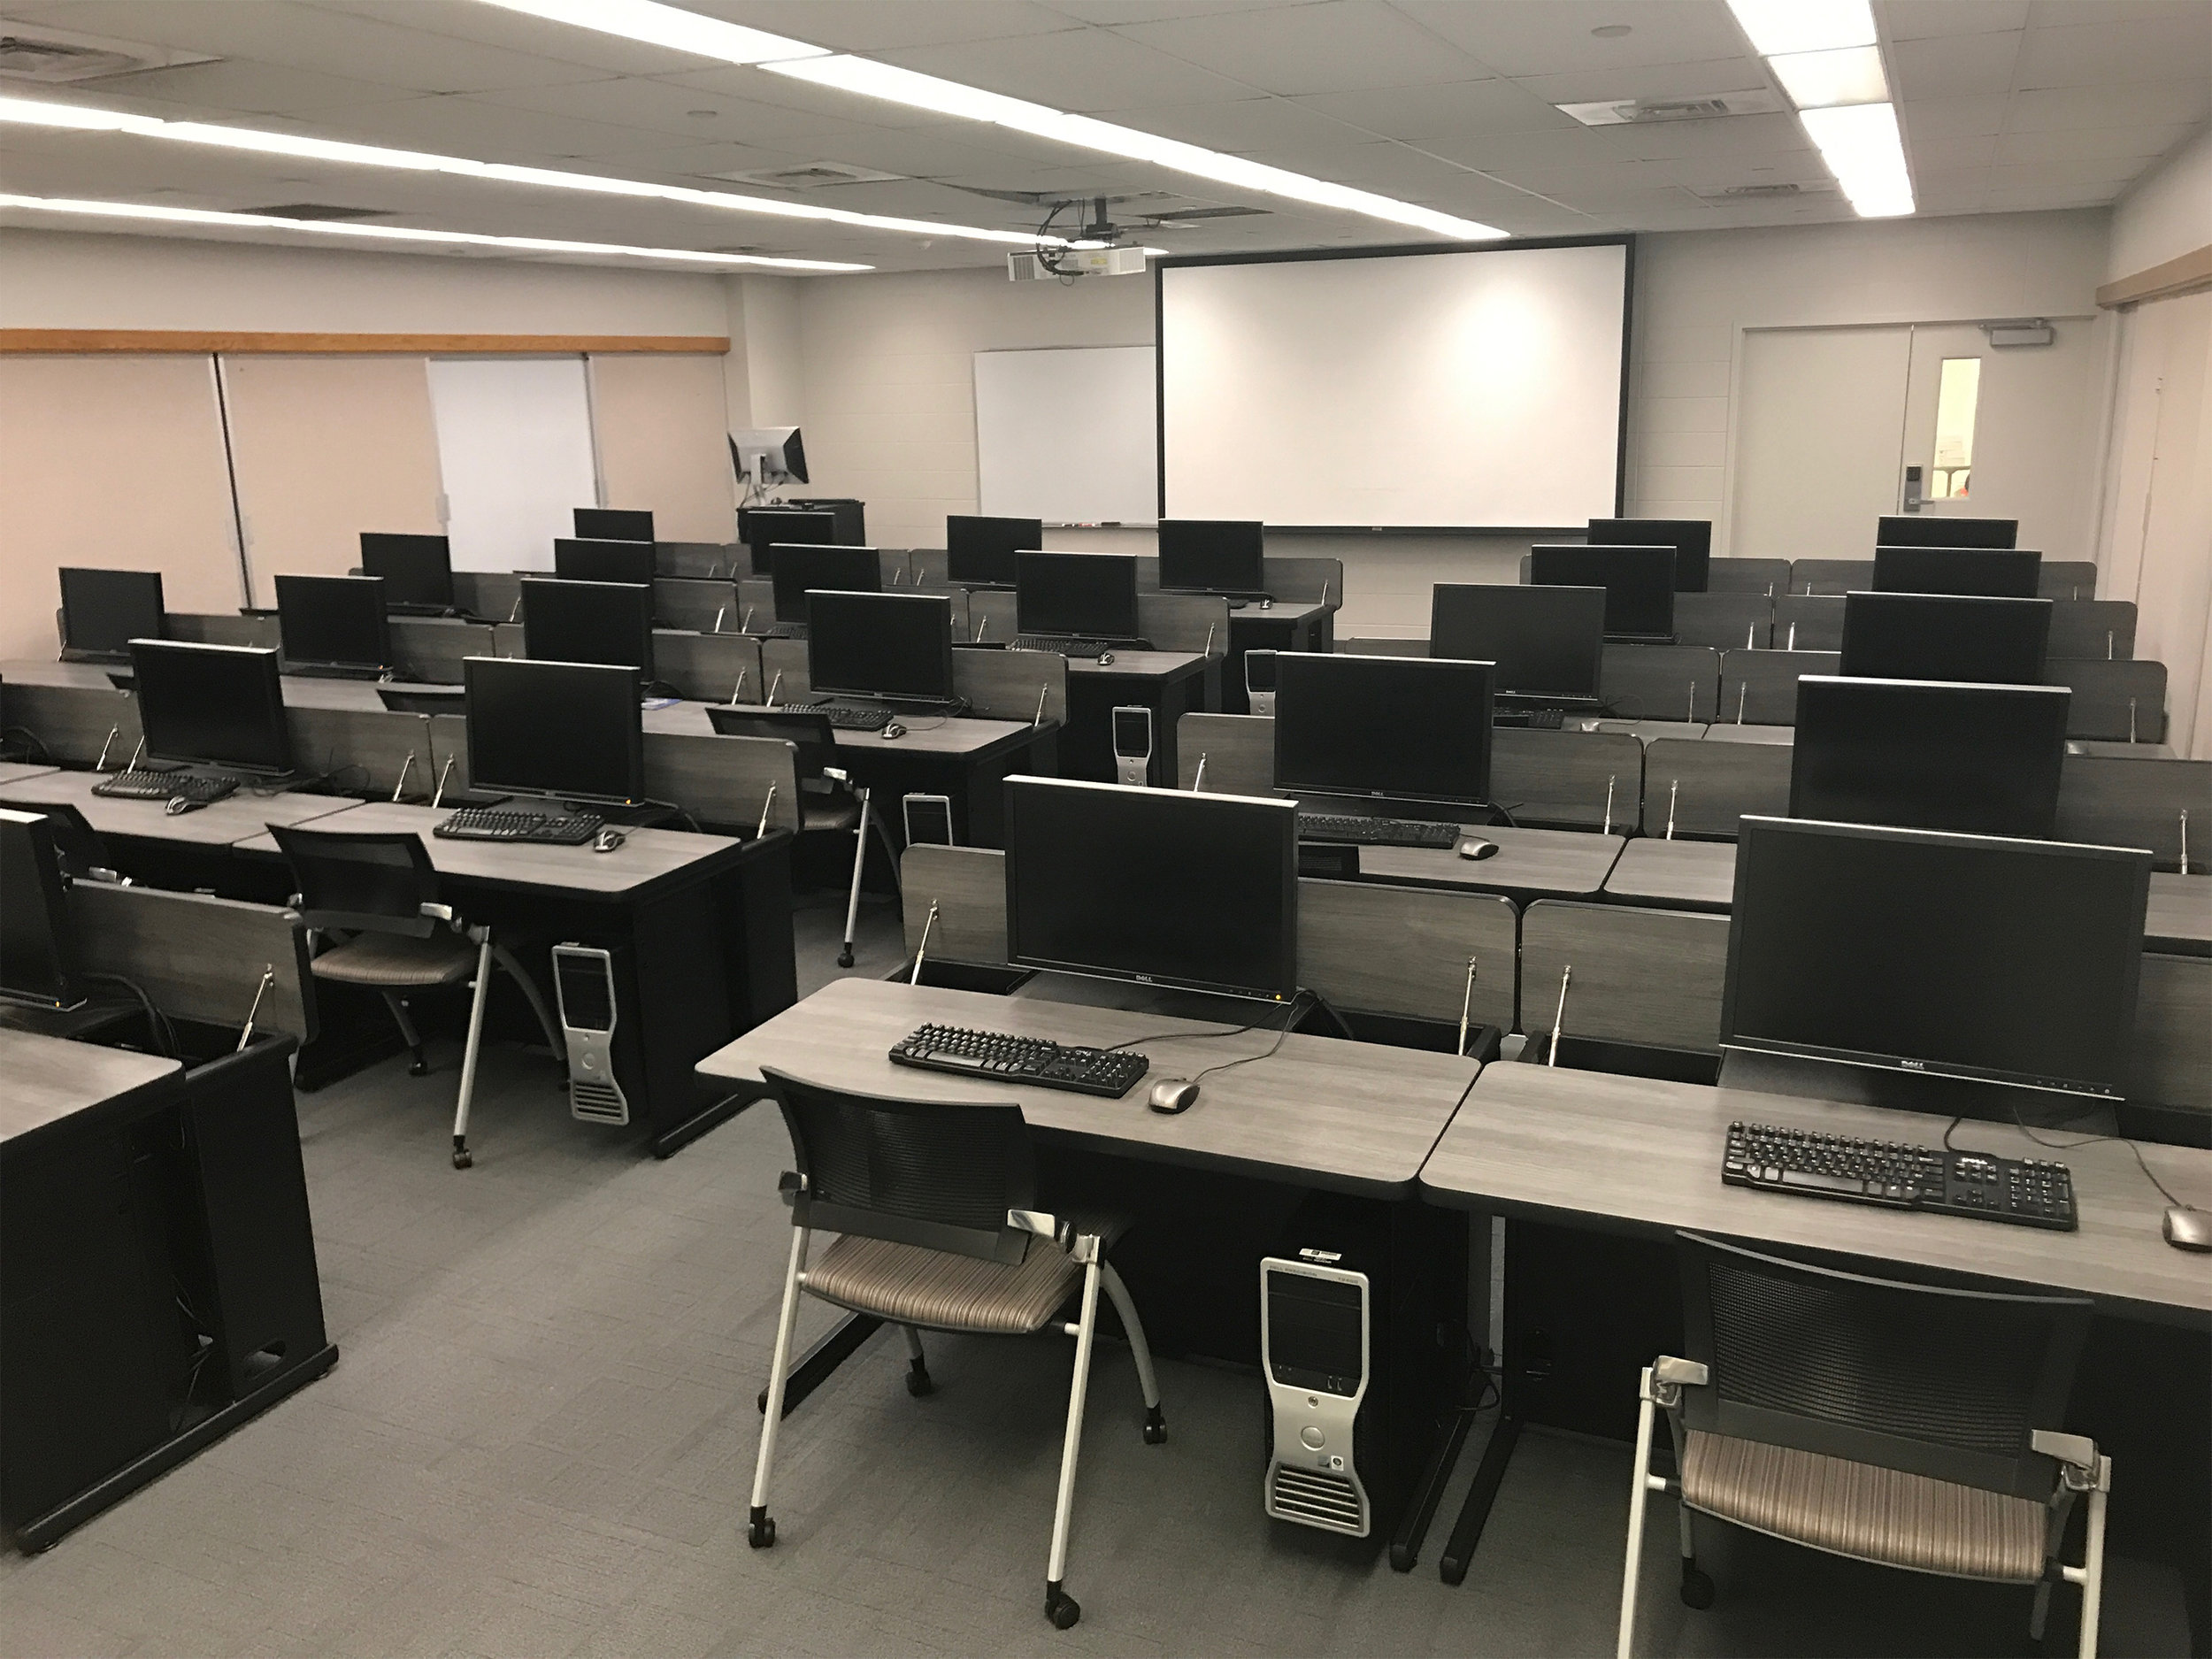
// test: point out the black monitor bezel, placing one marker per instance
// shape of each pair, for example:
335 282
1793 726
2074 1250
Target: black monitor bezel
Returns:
146 581
887 605
1543 553
633 516
70 990
1036 563
473 667
1692 563
758 543
380 606
610 594
992 566
790 602
1290 664
2012 561
1213 530
568 550
403 542
1438 602
269 684
1854 603
1930 530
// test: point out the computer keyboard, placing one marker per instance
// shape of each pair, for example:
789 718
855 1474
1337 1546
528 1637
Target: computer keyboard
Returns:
843 717
412 608
333 671
1065 646
1111 1073
781 631
1535 719
1377 832
493 824
199 787
2029 1193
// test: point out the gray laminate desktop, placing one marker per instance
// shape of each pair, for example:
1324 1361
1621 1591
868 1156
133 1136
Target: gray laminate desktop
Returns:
12 771
51 1079
234 819
926 734
1535 863
2180 918
32 671
1718 733
1691 875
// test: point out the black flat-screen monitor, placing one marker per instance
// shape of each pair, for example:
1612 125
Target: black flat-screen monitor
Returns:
212 705
589 622
417 570
801 565
38 966
1639 583
1971 956
1213 555
1086 593
879 645
763 528
1545 641
850 513
1918 754
336 619
575 560
572 730
1932 530
979 551
102 612
1692 539
1163 887
614 524
1406 728
1990 572
1945 636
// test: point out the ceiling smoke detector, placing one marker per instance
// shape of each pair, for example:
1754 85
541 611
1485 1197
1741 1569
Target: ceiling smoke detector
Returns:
1640 111
52 58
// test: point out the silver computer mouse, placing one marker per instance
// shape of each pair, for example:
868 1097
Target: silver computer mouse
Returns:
2187 1229
1104 658
608 840
1173 1094
1475 847
893 732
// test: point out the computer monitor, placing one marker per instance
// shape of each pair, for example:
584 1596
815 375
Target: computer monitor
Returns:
417 570
879 645
1993 572
979 552
589 622
572 730
1692 539
212 705
578 560
1406 728
1919 753
338 620
1945 636
801 565
1639 583
1161 886
763 528
1932 530
38 966
614 524
1087 594
1960 955
1213 555
103 610
849 512
1545 641
761 455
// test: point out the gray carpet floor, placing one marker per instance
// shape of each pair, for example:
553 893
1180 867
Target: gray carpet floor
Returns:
540 1440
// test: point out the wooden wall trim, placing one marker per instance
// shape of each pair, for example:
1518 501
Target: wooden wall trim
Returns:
2184 275
196 341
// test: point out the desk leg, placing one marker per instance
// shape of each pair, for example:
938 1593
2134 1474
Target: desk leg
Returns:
1467 1531
813 1367
1405 1544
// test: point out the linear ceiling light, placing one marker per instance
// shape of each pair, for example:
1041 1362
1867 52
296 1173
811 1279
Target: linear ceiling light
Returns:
38 113
669 26
1779 26
1824 54
398 233
1862 146
1820 81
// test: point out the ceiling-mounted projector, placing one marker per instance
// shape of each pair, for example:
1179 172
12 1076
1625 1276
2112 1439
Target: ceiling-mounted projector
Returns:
1047 266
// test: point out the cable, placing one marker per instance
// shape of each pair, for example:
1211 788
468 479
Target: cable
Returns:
2091 1140
158 1030
33 738
1505 813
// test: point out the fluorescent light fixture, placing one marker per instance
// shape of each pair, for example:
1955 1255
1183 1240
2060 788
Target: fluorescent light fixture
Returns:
1863 148
1816 80
668 25
400 233
1778 27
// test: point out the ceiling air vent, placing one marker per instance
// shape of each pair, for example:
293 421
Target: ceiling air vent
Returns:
814 175
319 210
1643 111
50 57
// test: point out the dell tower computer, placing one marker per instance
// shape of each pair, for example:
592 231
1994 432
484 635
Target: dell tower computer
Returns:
1315 1325
583 987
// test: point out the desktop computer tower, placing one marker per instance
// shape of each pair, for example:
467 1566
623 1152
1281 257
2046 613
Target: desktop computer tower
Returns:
604 1068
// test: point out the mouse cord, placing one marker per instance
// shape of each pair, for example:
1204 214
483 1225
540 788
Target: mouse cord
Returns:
2091 1140
1281 1032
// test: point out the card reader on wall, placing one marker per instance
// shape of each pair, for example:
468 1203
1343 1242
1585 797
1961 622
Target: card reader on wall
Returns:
583 983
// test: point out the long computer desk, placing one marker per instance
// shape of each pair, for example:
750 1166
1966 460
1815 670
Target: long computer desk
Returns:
1171 684
182 850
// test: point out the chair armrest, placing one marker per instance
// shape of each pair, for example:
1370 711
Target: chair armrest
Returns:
837 774
789 1185
1042 1225
437 912
2076 1453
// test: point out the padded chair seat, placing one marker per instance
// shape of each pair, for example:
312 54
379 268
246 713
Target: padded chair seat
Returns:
395 962
943 1291
828 814
1865 1512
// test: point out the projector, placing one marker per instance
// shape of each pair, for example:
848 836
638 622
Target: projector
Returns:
1075 262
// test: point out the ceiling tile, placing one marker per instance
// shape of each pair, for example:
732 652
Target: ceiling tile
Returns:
239 85
1512 37
1665 81
1931 20
1955 66
658 106
1330 46
1114 12
2093 144
1455 109
1084 70
2069 174
2110 53
1574 146
1735 135
2152 103
1275 127
493 34
2059 13
1937 154
882 26
486 132
1953 117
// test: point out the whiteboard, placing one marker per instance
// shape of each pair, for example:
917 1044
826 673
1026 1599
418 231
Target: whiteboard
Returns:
514 445
1070 437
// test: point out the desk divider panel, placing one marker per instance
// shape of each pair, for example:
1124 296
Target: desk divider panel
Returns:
1381 949
705 667
2173 1010
729 559
2119 701
968 887
787 657
1660 683
1391 647
507 640
197 958
74 723
2110 801
1710 786
724 782
1725 621
431 650
1004 684
1760 687
1642 976
449 741
1771 577
926 568
383 745
990 616
1560 780
1833 577
1239 751
695 603
2066 579
756 603
1296 578
1809 624
221 628
491 595
1184 622
2093 627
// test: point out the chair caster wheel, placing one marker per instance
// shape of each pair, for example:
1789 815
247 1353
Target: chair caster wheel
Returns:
919 1382
463 1158
760 1531
845 957
418 1068
1061 1607
1155 1427
1697 1588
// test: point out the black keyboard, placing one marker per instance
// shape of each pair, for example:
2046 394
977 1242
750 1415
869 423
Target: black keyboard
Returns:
1111 1073
492 824
333 671
843 717
412 608
2029 1193
782 631
1065 646
199 787
1377 832
1535 719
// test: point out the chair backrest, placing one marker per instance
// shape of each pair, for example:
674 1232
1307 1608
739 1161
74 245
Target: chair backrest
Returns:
940 1174
1949 1384
77 845
812 738
376 881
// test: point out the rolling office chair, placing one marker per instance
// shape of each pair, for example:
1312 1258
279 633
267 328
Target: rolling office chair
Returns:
829 800
931 1201
1889 1422
377 893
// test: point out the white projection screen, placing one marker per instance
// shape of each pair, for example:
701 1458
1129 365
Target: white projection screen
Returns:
1470 389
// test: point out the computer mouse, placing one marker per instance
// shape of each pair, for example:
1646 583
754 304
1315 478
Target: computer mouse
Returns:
607 841
1104 658
1267 605
1173 1094
178 805
894 730
1475 847
2186 1229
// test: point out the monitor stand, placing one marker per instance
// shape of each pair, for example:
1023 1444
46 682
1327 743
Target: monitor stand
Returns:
1751 1072
1163 1002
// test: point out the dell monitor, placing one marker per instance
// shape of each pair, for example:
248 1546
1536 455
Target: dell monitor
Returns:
897 646
102 612
1692 539
801 566
572 731
1914 530
1995 573
764 528
614 524
1982 760
38 966
1945 636
589 622
850 514
335 621
1639 583
1158 886
2010 962
212 705
1545 641
417 570
1396 728
577 560
979 552
1213 555
1092 595
761 455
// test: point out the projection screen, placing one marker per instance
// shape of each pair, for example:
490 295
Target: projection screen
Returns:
1466 388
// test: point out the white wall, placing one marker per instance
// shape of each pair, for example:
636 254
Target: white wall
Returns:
2167 214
